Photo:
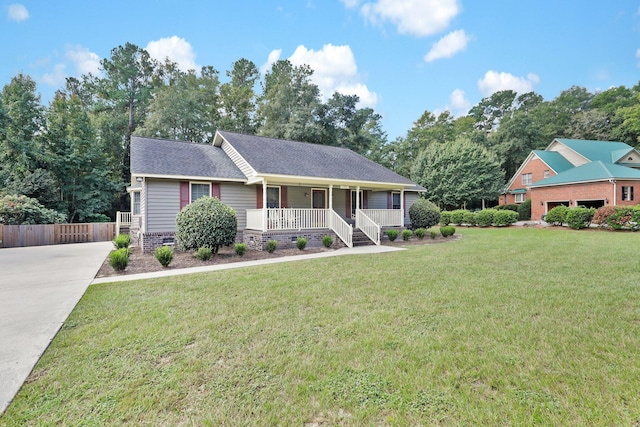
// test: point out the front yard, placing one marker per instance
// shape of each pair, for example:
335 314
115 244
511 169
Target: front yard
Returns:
505 326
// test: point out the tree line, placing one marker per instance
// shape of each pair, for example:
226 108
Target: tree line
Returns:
73 154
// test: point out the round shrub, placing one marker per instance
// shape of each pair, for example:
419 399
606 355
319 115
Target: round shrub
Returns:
433 234
510 207
445 218
421 233
469 218
327 241
122 241
602 214
524 210
557 215
164 255
504 218
621 218
580 217
484 218
271 246
457 216
241 248
424 213
203 253
406 235
119 259
447 230
392 235
301 243
206 222
17 210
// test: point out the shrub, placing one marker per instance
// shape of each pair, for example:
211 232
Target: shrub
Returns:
447 230
119 259
457 216
164 255
122 241
301 243
406 235
17 210
557 215
433 234
484 218
424 213
580 217
635 218
271 246
510 207
524 210
602 214
206 222
621 218
469 218
241 248
203 253
392 235
445 218
505 217
421 233
327 241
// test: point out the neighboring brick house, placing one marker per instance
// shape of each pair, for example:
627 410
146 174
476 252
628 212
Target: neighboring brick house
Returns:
575 172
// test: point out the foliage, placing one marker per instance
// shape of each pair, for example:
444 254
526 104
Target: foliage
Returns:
327 241
457 216
392 235
206 222
579 217
602 214
164 255
484 218
241 248
433 234
445 217
447 230
271 246
469 218
16 210
407 234
301 243
122 241
621 218
510 207
557 216
421 233
505 217
203 253
119 259
524 210
424 213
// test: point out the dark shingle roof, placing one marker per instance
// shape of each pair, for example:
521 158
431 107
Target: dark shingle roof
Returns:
152 156
284 157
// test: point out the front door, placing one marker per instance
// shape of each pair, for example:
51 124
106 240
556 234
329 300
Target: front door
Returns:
318 199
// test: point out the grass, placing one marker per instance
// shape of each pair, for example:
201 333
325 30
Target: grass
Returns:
506 326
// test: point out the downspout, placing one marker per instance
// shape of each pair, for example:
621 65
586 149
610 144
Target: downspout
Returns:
615 191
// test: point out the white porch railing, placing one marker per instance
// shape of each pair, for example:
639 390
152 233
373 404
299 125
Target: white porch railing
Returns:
385 217
287 219
368 226
123 219
341 228
255 219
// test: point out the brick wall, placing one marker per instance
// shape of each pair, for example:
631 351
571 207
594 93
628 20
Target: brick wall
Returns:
536 168
257 240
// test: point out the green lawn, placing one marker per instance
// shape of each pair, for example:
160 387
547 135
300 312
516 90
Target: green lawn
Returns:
503 327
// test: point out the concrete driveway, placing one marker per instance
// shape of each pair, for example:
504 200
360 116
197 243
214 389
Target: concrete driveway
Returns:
39 286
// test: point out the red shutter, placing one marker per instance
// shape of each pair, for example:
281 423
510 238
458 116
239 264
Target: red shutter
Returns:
284 201
259 197
184 193
348 202
215 190
389 200
365 200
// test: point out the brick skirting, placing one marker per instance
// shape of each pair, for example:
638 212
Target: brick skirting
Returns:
257 240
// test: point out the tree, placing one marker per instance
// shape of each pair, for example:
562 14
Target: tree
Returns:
457 173
238 97
491 110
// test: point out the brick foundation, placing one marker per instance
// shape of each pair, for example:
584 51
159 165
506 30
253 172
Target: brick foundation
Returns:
257 240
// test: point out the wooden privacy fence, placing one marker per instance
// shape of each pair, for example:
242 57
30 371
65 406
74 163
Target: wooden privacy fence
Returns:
12 236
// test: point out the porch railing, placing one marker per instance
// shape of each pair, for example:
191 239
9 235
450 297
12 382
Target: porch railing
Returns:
287 219
255 219
385 217
368 226
123 219
341 228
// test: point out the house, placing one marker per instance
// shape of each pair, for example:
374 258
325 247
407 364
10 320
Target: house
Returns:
575 172
279 189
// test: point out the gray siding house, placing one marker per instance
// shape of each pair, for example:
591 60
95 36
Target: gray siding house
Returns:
279 189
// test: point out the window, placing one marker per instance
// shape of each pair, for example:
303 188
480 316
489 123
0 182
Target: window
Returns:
627 193
135 202
199 190
273 197
546 174
395 201
527 179
521 198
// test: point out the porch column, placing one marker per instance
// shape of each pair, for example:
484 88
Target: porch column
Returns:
330 196
402 207
357 199
264 205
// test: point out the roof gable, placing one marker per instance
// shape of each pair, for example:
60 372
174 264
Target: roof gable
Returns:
589 172
554 160
604 151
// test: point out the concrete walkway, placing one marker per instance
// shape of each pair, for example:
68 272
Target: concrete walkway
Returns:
39 286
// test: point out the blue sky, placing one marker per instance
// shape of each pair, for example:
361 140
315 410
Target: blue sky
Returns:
401 57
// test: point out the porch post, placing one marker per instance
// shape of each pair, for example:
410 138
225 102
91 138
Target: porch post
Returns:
402 207
330 196
264 205
357 199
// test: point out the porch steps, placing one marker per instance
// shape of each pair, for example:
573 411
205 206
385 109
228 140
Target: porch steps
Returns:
361 239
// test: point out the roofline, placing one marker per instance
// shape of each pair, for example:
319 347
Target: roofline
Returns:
568 148
533 186
337 181
625 155
188 177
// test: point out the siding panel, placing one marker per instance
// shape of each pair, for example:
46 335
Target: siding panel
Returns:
240 197
163 204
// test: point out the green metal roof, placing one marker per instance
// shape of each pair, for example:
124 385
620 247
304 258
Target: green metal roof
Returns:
594 171
554 159
518 191
604 151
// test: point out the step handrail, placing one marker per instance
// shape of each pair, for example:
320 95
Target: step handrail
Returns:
341 228
368 226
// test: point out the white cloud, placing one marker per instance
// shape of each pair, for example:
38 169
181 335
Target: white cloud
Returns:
76 61
448 46
415 17
56 77
18 12
459 104
176 49
493 82
350 3
85 61
274 56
